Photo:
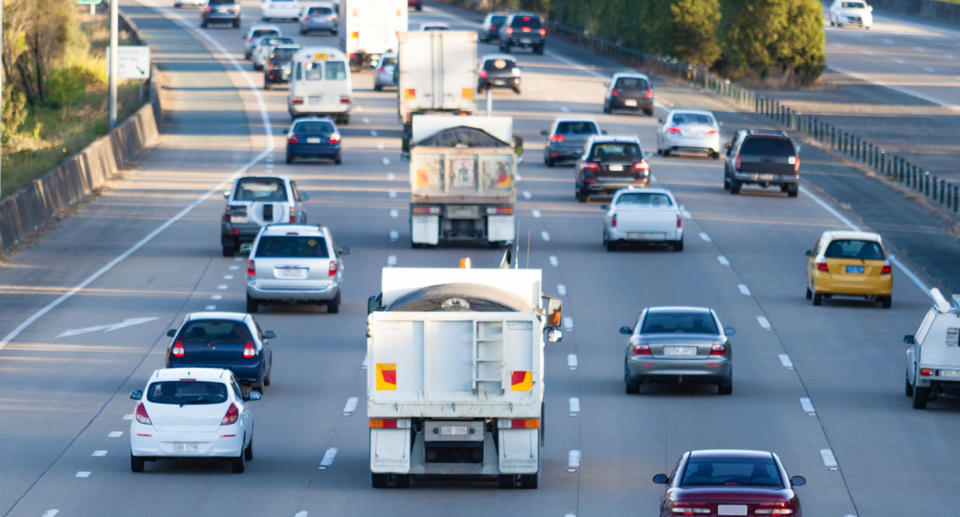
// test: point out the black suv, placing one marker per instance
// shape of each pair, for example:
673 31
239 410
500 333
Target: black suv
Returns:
762 158
525 30
279 65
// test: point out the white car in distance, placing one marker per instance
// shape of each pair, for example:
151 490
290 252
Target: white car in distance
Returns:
192 413
853 12
689 130
280 10
643 215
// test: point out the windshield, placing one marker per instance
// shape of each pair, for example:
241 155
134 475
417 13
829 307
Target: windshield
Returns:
853 5
264 32
616 150
315 11
498 64
291 246
273 40
645 199
498 20
388 61
532 22
260 189
313 128
854 249
632 83
283 54
760 472
663 322
335 70
577 128
187 392
768 146
693 118
209 331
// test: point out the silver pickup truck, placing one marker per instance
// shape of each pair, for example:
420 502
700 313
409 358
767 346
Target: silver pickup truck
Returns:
650 215
933 354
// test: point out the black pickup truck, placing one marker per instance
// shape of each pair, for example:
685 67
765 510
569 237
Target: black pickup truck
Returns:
764 158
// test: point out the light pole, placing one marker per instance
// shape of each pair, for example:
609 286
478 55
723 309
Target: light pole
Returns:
114 64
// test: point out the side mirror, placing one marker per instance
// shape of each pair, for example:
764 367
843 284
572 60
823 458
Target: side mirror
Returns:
626 331
554 335
870 8
661 479
246 248
517 145
226 194
660 120
909 339
345 250
253 395
554 312
807 253
798 480
136 394
269 334
544 132
373 302
604 207
606 84
304 196
729 331
171 332
727 145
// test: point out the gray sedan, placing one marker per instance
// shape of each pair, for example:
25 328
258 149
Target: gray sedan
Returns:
566 138
678 344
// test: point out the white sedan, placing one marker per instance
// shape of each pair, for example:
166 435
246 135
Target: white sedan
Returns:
650 215
195 3
853 12
280 10
689 130
192 413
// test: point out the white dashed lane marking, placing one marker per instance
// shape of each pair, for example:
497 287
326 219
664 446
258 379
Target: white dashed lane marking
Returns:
394 235
764 323
115 434
704 236
573 460
572 361
50 513
786 362
393 194
564 109
328 456
379 147
568 323
829 460
392 260
366 120
561 289
99 453
83 474
526 194
234 267
536 214
350 406
301 514
385 160
128 416
210 308
373 132
391 176
723 260
574 406
217 297
929 70
545 236
222 287
744 290
807 406
554 261
394 213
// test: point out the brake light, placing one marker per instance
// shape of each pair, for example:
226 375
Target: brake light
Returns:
297 101
334 16
425 210
886 269
334 138
509 30
590 167
685 508
557 138
206 8
613 221
389 423
344 99
641 166
822 266
525 29
679 221
142 415
614 92
711 132
675 131
333 268
236 8
543 32
493 27
738 162
519 423
500 210
781 508
178 349
226 216
718 349
381 70
796 165
648 94
270 64
483 74
293 139
641 349
293 215
249 350
251 268
926 372
232 415
526 19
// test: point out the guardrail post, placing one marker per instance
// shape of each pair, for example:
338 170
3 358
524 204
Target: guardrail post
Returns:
943 185
926 183
882 163
956 198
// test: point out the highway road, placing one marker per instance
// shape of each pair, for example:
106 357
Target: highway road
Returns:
822 386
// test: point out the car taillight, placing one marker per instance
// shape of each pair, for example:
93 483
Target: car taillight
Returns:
718 348
675 131
711 132
293 139
389 423
822 266
226 216
614 92
178 349
206 8
738 162
142 416
493 27
641 166
333 17
781 508
509 30
232 415
796 165
641 349
251 268
543 32
236 8
344 99
334 138
557 138
648 94
381 70
249 350
293 215
590 167
613 221
270 64
886 269
679 222
686 508
297 101
483 74
333 268
926 372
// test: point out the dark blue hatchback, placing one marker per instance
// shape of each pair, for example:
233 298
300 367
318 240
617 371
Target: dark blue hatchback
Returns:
313 138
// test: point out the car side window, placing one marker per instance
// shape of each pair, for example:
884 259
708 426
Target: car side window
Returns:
299 73
237 392
925 326
293 188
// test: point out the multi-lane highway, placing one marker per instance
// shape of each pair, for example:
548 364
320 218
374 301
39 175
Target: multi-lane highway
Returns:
85 308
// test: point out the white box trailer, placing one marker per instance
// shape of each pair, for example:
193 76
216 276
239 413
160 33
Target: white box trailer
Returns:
455 374
370 28
437 73
462 180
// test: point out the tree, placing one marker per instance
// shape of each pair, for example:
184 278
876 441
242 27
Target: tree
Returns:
35 33
692 31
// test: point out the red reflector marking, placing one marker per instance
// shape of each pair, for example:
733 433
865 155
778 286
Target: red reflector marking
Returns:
144 434
227 435
389 376
649 364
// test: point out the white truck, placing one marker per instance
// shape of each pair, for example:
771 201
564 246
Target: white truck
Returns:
436 73
462 180
455 374
933 354
370 28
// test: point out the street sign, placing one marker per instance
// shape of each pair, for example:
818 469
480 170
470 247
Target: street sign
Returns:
89 2
133 62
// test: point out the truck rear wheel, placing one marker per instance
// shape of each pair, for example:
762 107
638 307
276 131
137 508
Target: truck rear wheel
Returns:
529 481
920 396
379 480
907 387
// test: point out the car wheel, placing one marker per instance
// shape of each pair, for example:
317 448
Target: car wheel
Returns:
228 251
907 387
793 190
920 396
136 463
817 298
548 162
252 305
539 48
725 387
289 158
203 25
734 186
715 155
726 183
379 480
886 301
506 481
648 112
377 87
248 452
333 306
266 85
678 245
529 481
666 152
809 293
606 108
582 197
610 245
337 160
239 464
266 379
517 90
236 24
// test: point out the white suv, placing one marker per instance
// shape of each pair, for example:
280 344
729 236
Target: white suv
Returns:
295 263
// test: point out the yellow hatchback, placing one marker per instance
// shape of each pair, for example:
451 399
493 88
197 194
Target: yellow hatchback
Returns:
849 263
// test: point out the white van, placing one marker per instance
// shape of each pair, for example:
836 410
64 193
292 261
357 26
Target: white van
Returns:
321 84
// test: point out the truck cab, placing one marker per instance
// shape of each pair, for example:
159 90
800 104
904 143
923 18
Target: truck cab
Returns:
933 352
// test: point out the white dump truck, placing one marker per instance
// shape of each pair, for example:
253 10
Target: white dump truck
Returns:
455 374
462 180
933 354
370 28
436 73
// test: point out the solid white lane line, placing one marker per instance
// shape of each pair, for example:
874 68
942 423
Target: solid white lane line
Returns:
210 308
536 214
83 474
564 109
115 434
561 289
393 194
234 267
50 513
807 406
363 365
99 453
704 236
764 323
228 277
526 194
217 297
574 406
723 260
350 406
394 235
744 290
128 416
867 52
328 456
574 64
829 460
545 235
568 323
907 91
222 287
373 132
554 261
786 362
572 361
896 262
301 514
391 176
573 460
929 70
385 160
392 260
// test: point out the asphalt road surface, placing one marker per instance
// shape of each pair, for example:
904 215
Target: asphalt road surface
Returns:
136 260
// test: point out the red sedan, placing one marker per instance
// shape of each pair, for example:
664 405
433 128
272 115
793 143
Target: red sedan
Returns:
729 482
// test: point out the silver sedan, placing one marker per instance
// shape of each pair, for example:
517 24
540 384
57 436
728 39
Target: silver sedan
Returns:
678 344
689 130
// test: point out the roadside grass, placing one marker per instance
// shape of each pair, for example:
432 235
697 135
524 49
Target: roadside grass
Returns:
77 112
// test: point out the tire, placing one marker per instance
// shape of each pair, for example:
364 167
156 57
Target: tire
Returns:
886 301
734 186
726 387
678 245
920 396
248 452
266 85
136 463
793 190
337 160
809 293
610 245
539 48
907 387
236 24
289 158
648 112
228 251
666 152
203 25
379 480
582 197
726 183
252 305
715 155
377 87
517 90
505 48
238 464
606 108
267 380
817 298
548 162
530 481
505 481
333 306
632 388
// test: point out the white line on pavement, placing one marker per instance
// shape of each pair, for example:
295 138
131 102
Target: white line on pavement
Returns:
379 146
723 260
573 460
363 366
385 160
128 416
301 514
568 323
394 235
366 120
764 323
394 213
929 70
210 308
83 474
704 236
392 260
554 261
545 235
532 88
350 406
686 214
574 406
919 49
234 267
391 176
786 362
359 109
564 109
887 41
572 361
50 513
99 453
526 194
373 132
898 61
228 277
536 214
238 259
392 194
900 89
222 287
518 177
829 460
574 64
807 406
217 297
744 290
328 456
549 99
115 434
561 289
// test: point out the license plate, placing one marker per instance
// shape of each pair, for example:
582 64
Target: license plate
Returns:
462 212
763 177
732 509
186 447
453 430
238 218
293 272
630 102
683 351
645 236
855 269
615 168
949 373
526 41
314 100
313 140
499 82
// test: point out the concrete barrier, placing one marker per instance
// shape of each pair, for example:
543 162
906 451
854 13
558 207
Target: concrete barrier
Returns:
36 205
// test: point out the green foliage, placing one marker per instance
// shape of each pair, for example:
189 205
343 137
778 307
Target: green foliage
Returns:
14 114
692 31
68 85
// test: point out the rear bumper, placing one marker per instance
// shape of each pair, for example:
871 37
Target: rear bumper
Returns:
307 292
499 82
766 178
528 42
706 143
231 233
320 150
563 153
825 283
312 25
612 186
659 369
212 444
644 235
247 371
276 76
302 110
220 18
642 103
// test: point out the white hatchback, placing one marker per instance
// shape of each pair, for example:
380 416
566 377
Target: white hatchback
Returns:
192 413
280 9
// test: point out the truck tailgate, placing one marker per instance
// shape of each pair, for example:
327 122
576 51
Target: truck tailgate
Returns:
437 72
647 220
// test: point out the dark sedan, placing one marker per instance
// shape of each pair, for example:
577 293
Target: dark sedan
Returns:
498 71
313 137
228 340
220 11
608 164
631 91
729 482
490 28
278 69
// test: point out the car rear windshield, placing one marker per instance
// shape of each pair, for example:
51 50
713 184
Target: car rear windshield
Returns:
313 128
532 22
187 392
498 20
314 11
291 246
208 331
852 5
854 249
274 40
389 61
498 64
260 189
283 54
616 151
577 128
759 472
335 71
692 118
265 32
768 146
632 83
663 322
646 199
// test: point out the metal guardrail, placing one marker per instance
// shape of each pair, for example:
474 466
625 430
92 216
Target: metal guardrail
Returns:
893 167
